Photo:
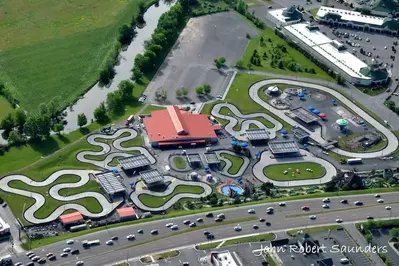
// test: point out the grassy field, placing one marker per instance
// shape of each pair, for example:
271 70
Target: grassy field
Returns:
238 95
18 203
236 161
179 162
271 48
250 239
343 143
5 107
57 48
155 202
275 171
314 230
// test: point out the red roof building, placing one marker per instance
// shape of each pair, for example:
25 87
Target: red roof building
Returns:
176 127
71 218
127 213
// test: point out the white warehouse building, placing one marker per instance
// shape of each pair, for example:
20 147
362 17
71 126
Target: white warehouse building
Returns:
335 55
285 16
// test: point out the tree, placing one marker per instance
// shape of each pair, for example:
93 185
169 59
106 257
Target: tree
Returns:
394 232
219 62
207 88
58 128
179 93
82 120
43 110
281 64
15 138
390 104
199 90
53 106
126 89
164 94
137 74
340 80
7 124
239 64
37 127
19 117
107 73
126 34
114 102
184 91
100 113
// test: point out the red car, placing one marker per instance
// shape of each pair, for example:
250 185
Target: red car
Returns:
305 208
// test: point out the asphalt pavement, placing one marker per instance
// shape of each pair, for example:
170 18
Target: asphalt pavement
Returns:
290 216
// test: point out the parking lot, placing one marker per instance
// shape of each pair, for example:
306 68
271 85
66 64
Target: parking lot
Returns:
191 61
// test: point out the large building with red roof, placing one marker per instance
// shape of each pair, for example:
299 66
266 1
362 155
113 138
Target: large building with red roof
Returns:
174 127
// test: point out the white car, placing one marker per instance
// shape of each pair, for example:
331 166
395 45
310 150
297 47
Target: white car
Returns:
237 228
186 222
378 195
66 250
339 220
29 253
344 260
282 204
326 200
200 220
63 254
70 241
388 208
130 237
109 243
313 217
270 209
326 206
169 225
251 211
380 201
80 263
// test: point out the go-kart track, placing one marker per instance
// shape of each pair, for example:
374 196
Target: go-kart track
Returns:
392 140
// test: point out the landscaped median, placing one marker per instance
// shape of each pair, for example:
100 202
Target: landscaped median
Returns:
294 171
160 256
314 230
237 240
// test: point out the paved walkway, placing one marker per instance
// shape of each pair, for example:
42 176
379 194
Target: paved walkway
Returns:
389 135
247 120
169 190
229 164
266 160
40 200
106 148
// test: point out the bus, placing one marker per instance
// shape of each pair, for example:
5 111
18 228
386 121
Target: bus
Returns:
354 161
87 243
129 120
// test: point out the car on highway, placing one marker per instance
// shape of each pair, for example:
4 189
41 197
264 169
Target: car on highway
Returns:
237 228
339 220
262 220
282 204
66 249
326 200
75 251
42 260
221 215
312 217
200 220
209 215
35 258
186 222
305 208
388 208
255 226
268 224
344 261
326 206
109 243
52 257
114 238
140 231
380 201
251 211
358 203
63 254
210 236
169 225
218 219
186 264
344 201
30 264
49 255
377 195
80 263
70 241
154 232
18 264
174 227
206 233
130 237
369 217
192 225
30 253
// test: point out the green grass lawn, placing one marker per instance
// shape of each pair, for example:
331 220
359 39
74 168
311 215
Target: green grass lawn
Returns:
343 143
237 162
57 48
290 56
313 11
155 202
17 203
206 246
5 107
151 108
250 239
180 162
275 171
314 230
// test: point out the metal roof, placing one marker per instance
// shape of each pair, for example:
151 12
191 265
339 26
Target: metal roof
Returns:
211 158
300 133
134 161
257 134
193 158
304 115
151 176
110 183
287 146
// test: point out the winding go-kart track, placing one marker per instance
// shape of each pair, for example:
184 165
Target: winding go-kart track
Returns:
40 200
229 164
266 159
107 207
392 140
169 190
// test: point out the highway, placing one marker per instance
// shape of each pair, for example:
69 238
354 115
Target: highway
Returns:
290 216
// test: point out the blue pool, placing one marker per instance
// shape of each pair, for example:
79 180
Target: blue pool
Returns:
225 189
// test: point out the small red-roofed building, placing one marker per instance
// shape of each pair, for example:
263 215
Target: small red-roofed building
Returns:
126 214
73 218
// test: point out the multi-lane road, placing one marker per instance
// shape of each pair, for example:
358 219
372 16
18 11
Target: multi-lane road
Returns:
290 216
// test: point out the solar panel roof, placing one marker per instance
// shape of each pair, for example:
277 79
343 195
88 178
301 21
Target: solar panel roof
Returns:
279 147
300 133
257 134
194 158
133 162
151 176
110 183
304 115
211 157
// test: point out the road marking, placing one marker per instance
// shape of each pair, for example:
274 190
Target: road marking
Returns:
221 244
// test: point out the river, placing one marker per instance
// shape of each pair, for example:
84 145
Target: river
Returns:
97 94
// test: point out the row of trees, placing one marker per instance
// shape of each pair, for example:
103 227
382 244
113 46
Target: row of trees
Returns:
242 8
8 95
205 89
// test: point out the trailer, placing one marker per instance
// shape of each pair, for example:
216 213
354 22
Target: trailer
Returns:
354 161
